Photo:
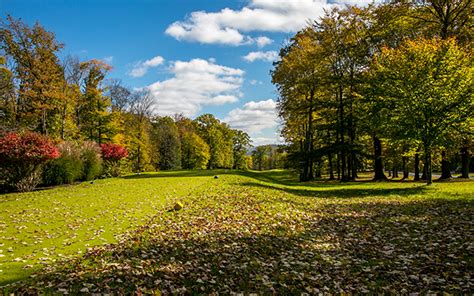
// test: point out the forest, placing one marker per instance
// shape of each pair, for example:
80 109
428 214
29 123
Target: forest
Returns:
383 87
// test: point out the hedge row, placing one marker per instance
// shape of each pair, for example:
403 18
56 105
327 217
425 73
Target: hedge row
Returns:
30 159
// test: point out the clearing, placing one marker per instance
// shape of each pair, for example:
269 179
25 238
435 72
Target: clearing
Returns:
243 232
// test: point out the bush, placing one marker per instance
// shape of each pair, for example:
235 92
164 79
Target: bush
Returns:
112 154
67 168
22 157
91 157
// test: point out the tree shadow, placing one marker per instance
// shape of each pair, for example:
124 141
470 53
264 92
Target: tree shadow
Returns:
342 192
176 174
291 178
388 248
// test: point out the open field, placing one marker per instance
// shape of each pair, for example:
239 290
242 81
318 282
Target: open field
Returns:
244 232
37 228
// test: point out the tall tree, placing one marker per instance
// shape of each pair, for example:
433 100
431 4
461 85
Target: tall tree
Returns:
166 139
141 106
429 83
241 141
218 136
38 74
94 117
7 97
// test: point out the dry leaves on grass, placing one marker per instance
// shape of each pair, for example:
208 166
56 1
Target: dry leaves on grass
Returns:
233 238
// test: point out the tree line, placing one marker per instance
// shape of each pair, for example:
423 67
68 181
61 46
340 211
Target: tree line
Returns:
388 86
67 99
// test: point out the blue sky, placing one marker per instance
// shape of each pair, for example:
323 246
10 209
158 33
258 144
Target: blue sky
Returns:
196 56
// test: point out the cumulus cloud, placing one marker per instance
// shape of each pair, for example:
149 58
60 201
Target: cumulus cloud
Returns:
230 26
267 56
194 84
141 68
263 41
254 116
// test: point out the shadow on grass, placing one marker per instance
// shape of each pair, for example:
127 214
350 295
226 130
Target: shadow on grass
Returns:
378 249
176 174
342 192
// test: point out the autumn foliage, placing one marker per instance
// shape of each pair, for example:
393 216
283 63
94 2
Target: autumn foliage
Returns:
30 147
21 158
113 152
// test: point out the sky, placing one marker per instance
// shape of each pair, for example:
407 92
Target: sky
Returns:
195 56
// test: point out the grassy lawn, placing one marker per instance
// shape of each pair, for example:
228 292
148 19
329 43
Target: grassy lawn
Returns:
244 232
40 227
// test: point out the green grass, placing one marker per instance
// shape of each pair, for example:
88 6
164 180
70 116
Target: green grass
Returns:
244 232
40 227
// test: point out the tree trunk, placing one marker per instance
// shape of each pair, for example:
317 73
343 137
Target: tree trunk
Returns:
378 164
63 122
354 167
405 167
338 158
138 159
424 174
308 162
417 165
429 179
43 122
342 142
318 170
465 162
331 171
445 171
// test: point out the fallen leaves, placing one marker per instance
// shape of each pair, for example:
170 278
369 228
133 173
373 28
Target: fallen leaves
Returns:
238 238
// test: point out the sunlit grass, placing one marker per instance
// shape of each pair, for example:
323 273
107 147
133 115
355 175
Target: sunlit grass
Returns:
256 216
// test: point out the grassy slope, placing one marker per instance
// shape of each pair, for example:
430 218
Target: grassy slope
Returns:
42 226
265 232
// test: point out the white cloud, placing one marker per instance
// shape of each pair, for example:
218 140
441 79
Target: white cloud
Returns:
230 26
196 83
254 116
108 59
258 141
263 41
267 56
141 68
255 82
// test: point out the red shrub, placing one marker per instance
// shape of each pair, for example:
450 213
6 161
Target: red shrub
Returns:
113 152
30 147
21 157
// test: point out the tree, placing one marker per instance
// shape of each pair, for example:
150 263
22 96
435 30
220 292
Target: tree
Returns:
428 83
119 95
95 120
195 151
259 156
241 141
166 140
7 96
141 106
38 73
72 89
298 80
445 18
218 136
